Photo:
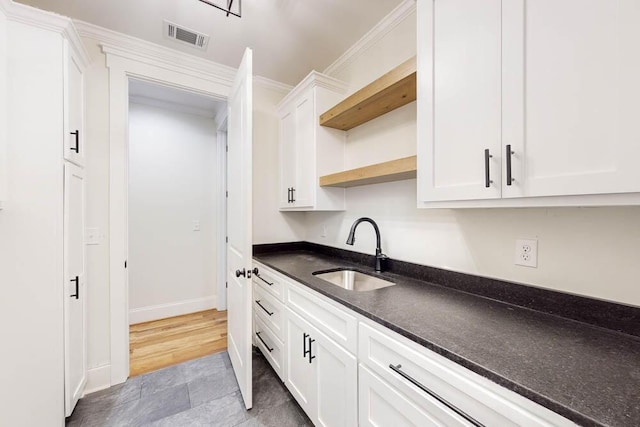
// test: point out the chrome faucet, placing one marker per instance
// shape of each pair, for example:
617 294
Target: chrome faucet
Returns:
352 238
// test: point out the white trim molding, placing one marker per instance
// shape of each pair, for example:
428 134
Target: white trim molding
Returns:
39 18
162 311
141 50
404 10
313 79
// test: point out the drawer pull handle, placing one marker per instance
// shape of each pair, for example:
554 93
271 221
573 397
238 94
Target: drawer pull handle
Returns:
265 344
270 313
255 272
487 173
304 345
398 369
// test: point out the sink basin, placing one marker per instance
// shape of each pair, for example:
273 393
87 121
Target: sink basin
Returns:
352 280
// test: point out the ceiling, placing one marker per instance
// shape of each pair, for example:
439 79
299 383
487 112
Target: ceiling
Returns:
289 38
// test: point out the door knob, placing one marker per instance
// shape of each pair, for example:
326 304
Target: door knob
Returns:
242 272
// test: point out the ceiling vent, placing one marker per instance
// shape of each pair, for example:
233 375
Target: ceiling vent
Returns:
185 35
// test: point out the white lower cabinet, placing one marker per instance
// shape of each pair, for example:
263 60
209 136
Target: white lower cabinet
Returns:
346 370
321 375
382 405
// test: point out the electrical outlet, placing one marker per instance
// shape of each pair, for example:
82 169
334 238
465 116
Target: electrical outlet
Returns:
527 253
196 225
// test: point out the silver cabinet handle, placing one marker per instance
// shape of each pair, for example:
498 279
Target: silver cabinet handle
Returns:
397 369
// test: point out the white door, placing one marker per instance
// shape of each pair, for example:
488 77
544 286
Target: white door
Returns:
74 108
239 221
459 123
570 95
75 292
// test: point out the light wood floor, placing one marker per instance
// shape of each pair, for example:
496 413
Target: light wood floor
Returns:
165 342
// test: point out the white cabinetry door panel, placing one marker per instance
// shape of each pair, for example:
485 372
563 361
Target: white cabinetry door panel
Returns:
337 383
305 167
287 158
74 147
570 96
382 405
75 296
299 372
460 83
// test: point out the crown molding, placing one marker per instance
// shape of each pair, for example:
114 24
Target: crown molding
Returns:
313 79
34 17
381 29
115 43
273 85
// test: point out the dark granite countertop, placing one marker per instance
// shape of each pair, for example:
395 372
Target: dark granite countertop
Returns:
587 373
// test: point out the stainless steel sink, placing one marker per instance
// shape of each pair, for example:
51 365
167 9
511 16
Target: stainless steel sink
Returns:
352 280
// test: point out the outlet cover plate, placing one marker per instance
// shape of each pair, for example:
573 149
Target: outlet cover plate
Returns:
527 252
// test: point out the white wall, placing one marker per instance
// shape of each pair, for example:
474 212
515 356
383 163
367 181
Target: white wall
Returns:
173 182
31 239
587 251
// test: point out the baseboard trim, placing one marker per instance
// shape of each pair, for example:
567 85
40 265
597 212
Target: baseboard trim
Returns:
98 378
155 312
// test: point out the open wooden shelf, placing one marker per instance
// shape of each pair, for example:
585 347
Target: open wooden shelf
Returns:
391 91
395 170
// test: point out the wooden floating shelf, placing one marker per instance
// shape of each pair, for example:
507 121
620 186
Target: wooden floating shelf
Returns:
391 91
395 170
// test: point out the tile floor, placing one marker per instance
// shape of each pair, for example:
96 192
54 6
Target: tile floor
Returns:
201 392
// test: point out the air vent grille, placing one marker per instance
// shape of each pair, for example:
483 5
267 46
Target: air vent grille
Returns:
185 35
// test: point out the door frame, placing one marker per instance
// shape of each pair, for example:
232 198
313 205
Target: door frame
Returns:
221 274
124 65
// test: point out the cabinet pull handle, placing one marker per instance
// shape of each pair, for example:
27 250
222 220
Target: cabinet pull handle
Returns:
509 175
262 307
289 195
255 272
304 345
263 342
293 192
397 369
487 174
311 356
77 147
77 294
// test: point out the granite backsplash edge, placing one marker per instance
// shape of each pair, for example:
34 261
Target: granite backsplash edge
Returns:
605 314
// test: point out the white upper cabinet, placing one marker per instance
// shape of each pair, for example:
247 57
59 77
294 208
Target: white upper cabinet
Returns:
74 147
549 87
307 150
459 80
570 96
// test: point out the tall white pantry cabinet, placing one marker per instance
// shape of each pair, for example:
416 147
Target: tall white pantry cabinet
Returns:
44 182
528 99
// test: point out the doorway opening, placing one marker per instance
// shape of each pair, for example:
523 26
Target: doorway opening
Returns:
176 226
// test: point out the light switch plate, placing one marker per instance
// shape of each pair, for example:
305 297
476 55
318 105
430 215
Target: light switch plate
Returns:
196 225
92 236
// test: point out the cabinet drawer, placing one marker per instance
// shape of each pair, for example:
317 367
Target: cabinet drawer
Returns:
271 281
271 347
337 324
485 401
382 405
269 309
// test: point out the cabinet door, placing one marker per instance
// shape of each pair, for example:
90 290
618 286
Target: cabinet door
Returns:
306 122
74 148
570 96
459 108
75 292
383 405
336 373
299 373
287 158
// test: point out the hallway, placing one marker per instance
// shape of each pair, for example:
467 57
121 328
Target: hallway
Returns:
161 343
